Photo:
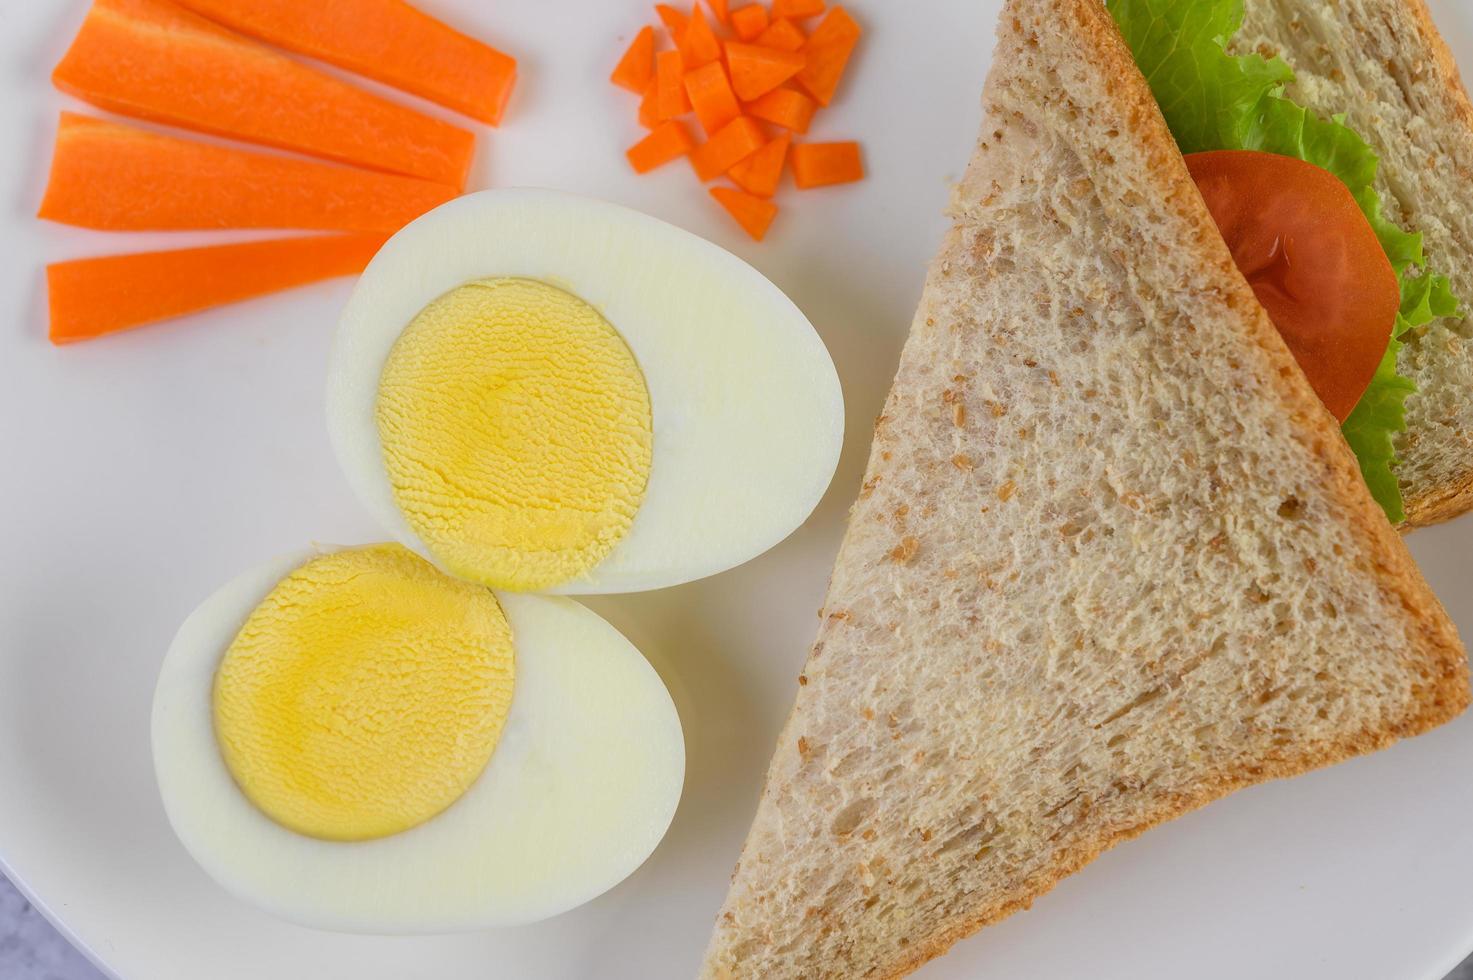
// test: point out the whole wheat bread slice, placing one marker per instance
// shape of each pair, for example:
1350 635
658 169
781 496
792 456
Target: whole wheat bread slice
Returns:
1383 64
1111 560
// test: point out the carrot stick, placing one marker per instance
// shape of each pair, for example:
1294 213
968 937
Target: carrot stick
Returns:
637 66
711 96
749 21
673 20
782 34
93 297
828 51
649 114
730 145
797 9
668 142
670 98
754 214
151 59
757 70
785 107
113 177
821 164
698 45
720 12
386 40
760 173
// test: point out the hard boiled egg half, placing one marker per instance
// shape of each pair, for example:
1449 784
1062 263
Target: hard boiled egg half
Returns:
543 392
355 741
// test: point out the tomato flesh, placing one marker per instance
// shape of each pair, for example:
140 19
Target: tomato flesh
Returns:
1313 261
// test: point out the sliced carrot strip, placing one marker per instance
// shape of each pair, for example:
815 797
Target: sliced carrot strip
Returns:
93 297
151 59
637 66
783 35
785 107
711 96
757 70
670 98
821 164
721 11
113 177
668 142
730 145
828 51
754 214
386 40
760 173
698 45
673 20
749 21
797 9
649 113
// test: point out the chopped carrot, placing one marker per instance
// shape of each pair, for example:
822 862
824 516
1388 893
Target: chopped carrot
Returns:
668 142
783 35
673 20
749 21
649 116
637 66
730 145
759 173
389 41
670 100
797 9
754 214
785 107
113 177
151 59
698 46
93 297
757 70
720 12
711 96
821 164
828 51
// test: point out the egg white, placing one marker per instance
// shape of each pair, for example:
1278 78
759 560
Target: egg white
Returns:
747 412
581 788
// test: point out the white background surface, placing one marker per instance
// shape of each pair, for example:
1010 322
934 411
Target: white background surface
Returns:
139 473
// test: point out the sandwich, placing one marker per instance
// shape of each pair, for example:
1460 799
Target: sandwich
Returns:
1115 555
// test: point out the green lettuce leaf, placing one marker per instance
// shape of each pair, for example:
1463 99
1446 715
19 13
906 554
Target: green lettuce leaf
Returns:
1215 101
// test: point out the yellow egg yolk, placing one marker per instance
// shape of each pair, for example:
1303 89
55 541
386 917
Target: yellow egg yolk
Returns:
515 427
364 694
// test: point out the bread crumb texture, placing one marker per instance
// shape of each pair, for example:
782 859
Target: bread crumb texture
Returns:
1158 578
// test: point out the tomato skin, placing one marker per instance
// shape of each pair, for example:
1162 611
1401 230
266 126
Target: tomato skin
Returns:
1313 261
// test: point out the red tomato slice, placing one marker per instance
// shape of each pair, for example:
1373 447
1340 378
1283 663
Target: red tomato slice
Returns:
1312 259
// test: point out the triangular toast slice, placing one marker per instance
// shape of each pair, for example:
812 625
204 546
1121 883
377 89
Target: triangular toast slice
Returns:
1112 558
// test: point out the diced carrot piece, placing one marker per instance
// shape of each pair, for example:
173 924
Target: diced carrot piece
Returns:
797 9
730 145
389 41
754 214
759 173
757 70
749 21
828 51
93 297
673 20
670 100
113 177
649 115
783 35
785 107
698 46
668 142
151 59
637 66
711 96
821 164
720 12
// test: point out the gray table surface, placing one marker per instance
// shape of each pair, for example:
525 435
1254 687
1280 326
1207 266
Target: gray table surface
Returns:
31 950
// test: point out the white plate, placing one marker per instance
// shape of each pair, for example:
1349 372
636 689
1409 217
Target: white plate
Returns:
141 472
